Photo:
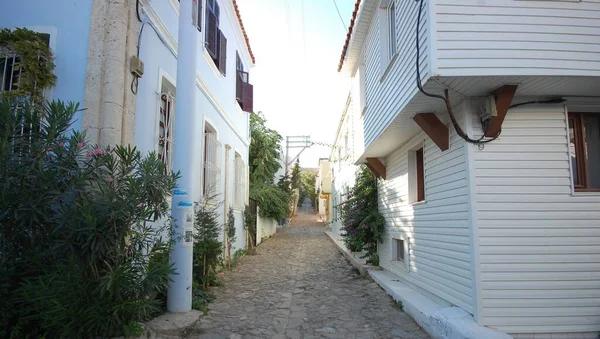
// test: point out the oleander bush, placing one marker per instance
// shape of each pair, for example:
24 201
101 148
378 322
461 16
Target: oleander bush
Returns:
83 253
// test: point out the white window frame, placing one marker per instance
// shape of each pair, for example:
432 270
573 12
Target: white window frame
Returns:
211 159
166 155
240 182
391 25
412 174
386 55
403 264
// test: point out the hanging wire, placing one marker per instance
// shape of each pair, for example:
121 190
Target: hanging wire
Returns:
339 14
446 97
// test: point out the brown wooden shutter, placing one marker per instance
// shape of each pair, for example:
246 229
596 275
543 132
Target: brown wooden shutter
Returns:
222 53
239 88
248 97
212 33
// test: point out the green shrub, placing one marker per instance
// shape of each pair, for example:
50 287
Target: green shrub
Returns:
78 255
207 247
363 225
230 233
274 203
133 330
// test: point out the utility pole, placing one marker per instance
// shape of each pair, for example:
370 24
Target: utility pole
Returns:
298 141
179 297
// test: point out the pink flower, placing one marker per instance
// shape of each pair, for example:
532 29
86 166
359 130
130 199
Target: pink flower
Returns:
61 144
108 179
96 151
80 145
49 149
140 205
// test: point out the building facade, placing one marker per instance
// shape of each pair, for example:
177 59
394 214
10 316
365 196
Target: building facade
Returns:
118 58
508 230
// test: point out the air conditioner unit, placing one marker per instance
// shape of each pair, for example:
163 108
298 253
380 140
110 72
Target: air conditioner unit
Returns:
487 110
136 67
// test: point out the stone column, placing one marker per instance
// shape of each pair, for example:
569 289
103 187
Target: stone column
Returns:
109 101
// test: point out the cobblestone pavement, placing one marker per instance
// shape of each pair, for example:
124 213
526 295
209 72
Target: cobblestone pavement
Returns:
299 286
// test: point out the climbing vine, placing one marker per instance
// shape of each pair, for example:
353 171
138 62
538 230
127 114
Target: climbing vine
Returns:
33 58
363 225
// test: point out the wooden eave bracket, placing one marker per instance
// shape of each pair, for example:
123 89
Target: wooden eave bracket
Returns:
434 128
377 167
504 96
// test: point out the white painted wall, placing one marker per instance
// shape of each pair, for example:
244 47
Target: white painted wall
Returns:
539 244
437 230
514 37
388 92
215 95
264 227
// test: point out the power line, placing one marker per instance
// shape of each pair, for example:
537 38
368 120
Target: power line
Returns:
339 14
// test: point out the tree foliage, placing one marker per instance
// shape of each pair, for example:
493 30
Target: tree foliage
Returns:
265 155
230 232
265 151
207 247
35 61
78 255
308 180
295 179
363 224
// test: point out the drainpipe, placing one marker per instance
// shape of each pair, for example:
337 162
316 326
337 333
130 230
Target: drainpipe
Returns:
179 297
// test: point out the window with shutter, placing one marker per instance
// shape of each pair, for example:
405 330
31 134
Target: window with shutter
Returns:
212 165
244 91
222 53
240 182
211 33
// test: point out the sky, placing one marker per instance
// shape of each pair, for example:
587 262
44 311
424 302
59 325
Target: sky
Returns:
297 45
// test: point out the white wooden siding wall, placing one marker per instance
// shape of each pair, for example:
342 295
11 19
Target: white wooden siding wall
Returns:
511 37
539 245
439 256
386 98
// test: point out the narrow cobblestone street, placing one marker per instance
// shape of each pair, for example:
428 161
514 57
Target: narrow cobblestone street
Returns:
299 286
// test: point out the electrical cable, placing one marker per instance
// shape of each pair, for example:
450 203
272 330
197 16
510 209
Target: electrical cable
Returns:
557 100
339 14
137 10
446 99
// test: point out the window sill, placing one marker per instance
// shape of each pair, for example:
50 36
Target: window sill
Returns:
363 111
175 5
417 203
389 67
401 265
211 64
586 194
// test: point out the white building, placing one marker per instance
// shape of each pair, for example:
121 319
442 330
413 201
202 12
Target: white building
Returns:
508 231
96 44
348 145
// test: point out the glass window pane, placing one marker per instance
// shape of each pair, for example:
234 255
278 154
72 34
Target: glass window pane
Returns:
573 151
591 138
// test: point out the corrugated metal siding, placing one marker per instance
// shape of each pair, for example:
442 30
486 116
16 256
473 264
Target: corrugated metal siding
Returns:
539 245
439 251
386 98
510 37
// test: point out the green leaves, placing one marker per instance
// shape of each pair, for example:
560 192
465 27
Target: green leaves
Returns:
35 60
363 225
265 151
79 257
